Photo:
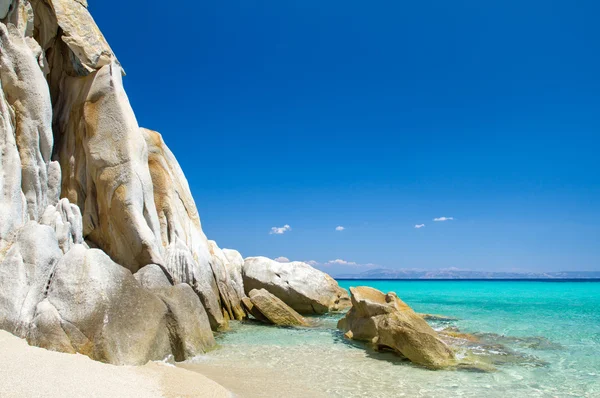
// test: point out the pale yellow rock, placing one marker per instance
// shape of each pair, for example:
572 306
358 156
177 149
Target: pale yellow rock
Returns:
275 310
104 162
82 35
388 323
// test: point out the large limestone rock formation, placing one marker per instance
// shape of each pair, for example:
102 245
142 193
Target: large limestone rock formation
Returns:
302 287
274 310
101 247
87 198
388 323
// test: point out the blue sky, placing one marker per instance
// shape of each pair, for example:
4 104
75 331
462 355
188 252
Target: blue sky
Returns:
378 116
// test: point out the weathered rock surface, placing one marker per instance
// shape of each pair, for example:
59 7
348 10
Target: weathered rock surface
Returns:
152 276
65 219
388 323
26 266
96 307
103 312
82 35
26 93
275 310
234 265
187 254
187 322
222 270
103 157
302 287
252 310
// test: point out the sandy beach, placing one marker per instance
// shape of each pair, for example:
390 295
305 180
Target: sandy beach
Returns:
28 371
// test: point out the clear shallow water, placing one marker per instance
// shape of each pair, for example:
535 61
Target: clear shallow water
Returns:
551 328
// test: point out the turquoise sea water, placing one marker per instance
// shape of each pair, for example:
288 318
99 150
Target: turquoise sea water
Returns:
544 338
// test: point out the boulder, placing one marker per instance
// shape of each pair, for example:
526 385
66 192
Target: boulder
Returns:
97 308
103 311
187 321
152 276
82 35
302 287
275 310
388 323
252 310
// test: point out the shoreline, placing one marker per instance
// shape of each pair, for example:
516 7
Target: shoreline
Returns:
559 280
29 371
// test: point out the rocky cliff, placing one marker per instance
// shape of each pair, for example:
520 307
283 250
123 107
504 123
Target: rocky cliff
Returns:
101 247
88 198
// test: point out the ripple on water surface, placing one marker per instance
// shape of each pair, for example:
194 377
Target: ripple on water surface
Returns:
556 356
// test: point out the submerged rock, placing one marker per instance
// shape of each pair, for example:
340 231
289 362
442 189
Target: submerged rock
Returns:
302 287
529 342
275 310
435 317
388 323
484 351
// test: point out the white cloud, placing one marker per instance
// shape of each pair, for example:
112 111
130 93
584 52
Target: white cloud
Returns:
419 226
312 262
280 230
443 219
282 259
339 228
340 262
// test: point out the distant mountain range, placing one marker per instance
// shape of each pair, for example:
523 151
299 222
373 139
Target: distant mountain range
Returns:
383 273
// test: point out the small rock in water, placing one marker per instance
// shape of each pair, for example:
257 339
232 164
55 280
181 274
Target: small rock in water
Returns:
275 310
388 323
435 317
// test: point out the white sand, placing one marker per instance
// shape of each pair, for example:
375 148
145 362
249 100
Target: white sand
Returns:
27 371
